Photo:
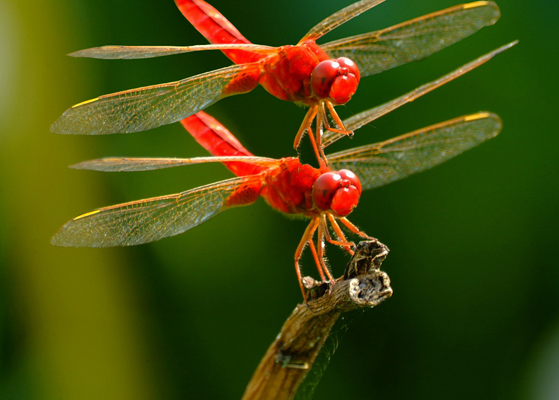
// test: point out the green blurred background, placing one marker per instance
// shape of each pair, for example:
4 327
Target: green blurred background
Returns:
475 313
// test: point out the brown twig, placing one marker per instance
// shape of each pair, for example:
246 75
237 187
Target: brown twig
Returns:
292 354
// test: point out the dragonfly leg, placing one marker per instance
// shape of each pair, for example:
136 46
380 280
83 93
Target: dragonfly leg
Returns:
342 242
307 237
321 121
306 124
338 121
354 229
317 152
316 260
320 242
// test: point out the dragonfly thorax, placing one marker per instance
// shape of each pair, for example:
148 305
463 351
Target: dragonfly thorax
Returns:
338 192
336 80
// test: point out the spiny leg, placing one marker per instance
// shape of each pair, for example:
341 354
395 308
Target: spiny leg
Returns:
317 152
337 121
343 242
320 123
354 229
320 242
307 237
316 260
306 124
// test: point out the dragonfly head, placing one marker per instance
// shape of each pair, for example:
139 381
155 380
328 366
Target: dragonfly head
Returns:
338 192
336 80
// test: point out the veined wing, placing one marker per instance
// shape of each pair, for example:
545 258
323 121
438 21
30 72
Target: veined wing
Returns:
136 52
130 164
152 219
413 40
381 163
358 120
149 107
338 18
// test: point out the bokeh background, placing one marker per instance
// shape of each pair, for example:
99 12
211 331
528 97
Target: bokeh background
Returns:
475 312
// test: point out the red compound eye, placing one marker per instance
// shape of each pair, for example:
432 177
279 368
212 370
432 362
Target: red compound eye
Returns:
324 189
337 191
345 200
350 65
348 175
322 77
335 79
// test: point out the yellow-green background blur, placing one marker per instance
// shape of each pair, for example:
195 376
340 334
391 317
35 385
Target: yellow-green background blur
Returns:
475 312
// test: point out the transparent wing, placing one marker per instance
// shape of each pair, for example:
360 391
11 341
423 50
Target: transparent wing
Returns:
381 163
338 18
129 164
136 52
358 120
149 107
152 219
413 40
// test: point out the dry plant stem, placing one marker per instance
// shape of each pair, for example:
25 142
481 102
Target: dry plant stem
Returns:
291 356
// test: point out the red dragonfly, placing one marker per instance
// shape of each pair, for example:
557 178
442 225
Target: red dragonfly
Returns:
326 194
317 76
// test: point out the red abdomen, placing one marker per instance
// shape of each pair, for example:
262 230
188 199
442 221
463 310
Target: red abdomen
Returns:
217 139
216 28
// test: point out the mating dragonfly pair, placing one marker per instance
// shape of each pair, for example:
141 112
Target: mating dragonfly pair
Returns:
317 76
